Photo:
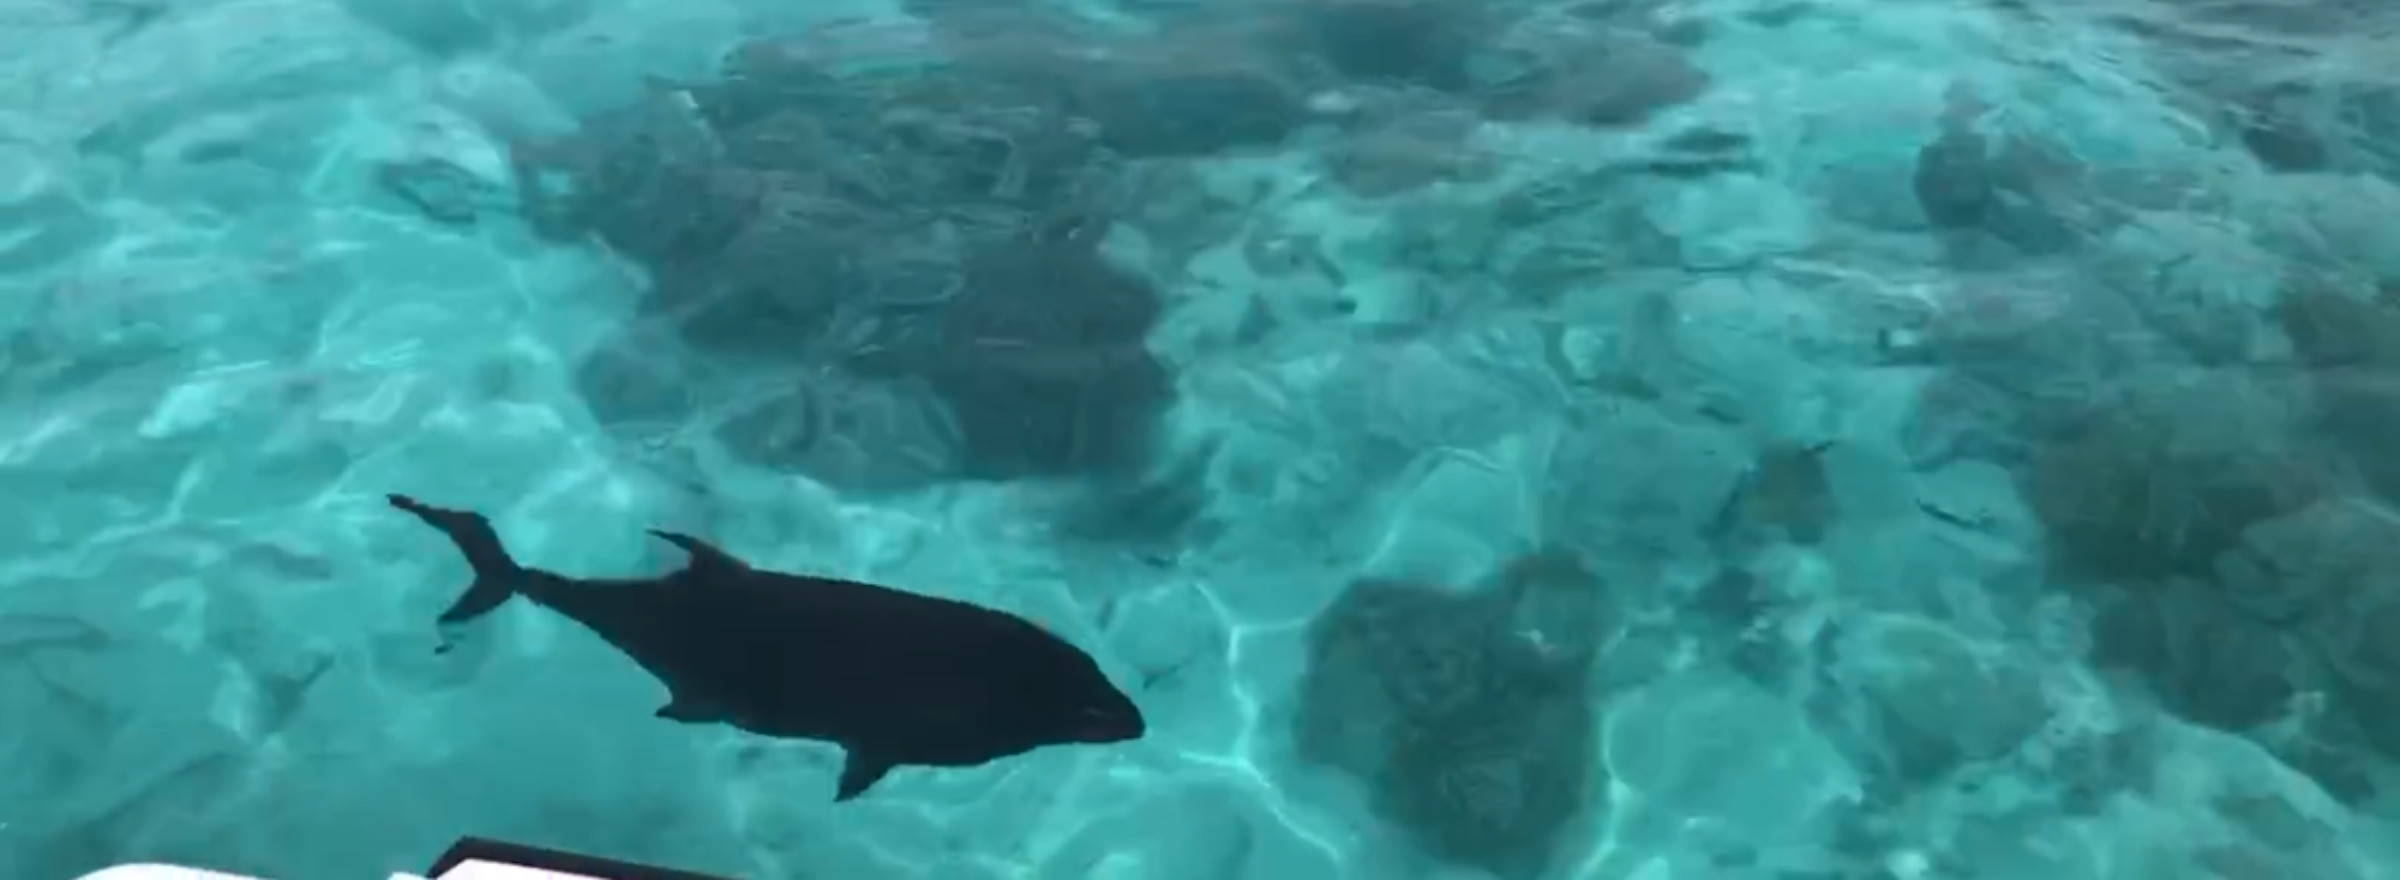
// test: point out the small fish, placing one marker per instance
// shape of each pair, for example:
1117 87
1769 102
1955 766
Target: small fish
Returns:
893 678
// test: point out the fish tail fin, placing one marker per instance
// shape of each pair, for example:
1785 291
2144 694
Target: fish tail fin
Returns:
497 575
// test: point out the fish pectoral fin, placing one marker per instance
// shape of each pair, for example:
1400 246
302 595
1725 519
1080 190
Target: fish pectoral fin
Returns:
707 558
691 711
861 769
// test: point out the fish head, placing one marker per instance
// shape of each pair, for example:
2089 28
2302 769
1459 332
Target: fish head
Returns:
1104 715
1076 702
1043 690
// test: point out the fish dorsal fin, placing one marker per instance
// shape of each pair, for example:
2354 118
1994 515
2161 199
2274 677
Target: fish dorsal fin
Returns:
707 560
861 769
692 711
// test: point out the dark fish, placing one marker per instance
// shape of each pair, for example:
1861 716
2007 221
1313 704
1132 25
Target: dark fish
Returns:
894 678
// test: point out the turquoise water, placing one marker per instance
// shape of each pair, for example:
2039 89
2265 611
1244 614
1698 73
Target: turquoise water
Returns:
1782 440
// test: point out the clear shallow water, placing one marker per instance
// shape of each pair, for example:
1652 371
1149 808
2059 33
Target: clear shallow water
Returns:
1718 441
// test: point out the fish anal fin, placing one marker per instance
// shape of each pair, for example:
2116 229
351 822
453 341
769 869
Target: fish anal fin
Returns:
706 559
691 711
861 769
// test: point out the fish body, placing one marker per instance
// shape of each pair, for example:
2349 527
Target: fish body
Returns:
894 678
